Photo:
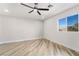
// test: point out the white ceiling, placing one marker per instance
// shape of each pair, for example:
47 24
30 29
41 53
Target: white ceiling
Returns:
17 10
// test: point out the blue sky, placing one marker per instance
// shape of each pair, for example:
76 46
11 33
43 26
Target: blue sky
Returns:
72 20
62 23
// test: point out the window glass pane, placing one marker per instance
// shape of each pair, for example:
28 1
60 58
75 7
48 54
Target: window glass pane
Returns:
72 23
62 24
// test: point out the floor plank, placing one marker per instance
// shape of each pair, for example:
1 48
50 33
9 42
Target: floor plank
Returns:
38 47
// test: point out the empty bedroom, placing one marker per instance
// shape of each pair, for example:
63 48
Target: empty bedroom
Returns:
39 29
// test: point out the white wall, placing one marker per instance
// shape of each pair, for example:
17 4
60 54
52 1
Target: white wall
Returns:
0 28
69 39
15 29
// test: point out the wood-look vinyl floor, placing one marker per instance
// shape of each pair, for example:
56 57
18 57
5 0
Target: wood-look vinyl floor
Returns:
38 47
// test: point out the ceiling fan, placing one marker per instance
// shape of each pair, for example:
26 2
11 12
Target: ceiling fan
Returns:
35 7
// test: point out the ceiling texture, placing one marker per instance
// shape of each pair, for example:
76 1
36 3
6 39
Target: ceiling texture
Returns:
18 10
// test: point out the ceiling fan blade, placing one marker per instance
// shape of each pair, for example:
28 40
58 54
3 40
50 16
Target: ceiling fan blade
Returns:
31 11
38 12
26 5
44 9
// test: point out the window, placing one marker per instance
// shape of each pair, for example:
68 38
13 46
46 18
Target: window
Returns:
69 24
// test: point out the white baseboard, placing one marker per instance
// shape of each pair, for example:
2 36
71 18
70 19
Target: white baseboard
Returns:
19 40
